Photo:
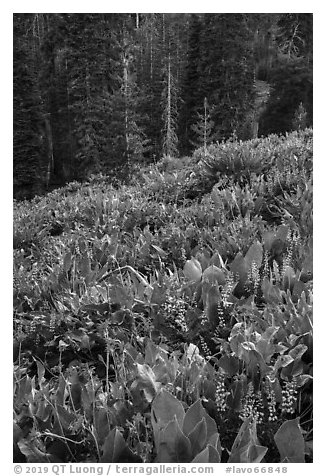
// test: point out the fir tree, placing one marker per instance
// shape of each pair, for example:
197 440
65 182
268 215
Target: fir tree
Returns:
291 78
203 128
190 90
29 169
126 138
170 113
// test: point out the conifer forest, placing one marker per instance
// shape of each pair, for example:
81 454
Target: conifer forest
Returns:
163 238
96 92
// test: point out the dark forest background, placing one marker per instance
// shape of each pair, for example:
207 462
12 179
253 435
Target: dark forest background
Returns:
99 93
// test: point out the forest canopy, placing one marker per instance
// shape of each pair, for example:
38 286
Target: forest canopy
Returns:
99 93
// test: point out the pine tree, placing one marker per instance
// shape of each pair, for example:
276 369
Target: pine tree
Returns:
190 89
170 113
88 80
227 71
27 111
127 139
148 64
203 128
291 78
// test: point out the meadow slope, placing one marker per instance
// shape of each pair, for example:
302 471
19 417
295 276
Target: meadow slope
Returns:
169 319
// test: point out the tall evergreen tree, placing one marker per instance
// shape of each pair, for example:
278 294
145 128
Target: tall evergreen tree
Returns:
227 71
92 91
149 80
203 128
170 113
291 78
126 138
190 89
29 169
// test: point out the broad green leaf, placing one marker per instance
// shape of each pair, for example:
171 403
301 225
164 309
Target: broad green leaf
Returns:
113 446
198 437
230 364
303 379
239 267
209 388
253 454
271 293
101 424
255 255
282 233
164 408
298 288
236 342
64 418
84 266
151 353
255 361
146 381
193 354
282 361
32 452
212 298
264 345
192 270
115 450
208 455
102 272
40 372
307 266
290 442
246 447
268 239
293 370
214 275
215 441
158 295
75 389
17 432
60 393
204 259
298 351
82 246
194 415
217 260
67 261
174 446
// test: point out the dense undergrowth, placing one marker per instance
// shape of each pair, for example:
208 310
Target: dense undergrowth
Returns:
169 320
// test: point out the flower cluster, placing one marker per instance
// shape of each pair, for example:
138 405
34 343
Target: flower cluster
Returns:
227 289
252 405
266 270
271 401
175 308
221 393
220 314
289 396
52 322
253 278
204 347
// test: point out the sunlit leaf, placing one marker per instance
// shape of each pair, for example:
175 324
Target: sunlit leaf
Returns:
290 442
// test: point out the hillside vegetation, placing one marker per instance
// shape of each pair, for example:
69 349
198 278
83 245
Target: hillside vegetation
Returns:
170 319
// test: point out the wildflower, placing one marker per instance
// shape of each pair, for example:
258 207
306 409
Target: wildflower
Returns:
252 406
271 401
204 347
289 397
221 393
